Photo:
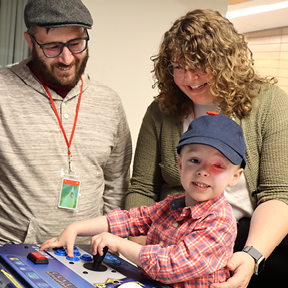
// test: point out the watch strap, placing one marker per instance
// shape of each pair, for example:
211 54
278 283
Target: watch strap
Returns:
257 256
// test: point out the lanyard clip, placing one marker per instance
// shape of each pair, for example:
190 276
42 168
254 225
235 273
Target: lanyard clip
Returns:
69 159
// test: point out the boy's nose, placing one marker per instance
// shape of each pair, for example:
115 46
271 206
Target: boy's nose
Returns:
202 172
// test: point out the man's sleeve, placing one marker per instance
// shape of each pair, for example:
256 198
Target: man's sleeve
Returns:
117 168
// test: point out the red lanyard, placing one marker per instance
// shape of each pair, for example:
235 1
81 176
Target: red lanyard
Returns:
59 120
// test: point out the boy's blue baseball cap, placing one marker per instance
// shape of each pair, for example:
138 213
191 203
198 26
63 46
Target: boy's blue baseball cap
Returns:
220 132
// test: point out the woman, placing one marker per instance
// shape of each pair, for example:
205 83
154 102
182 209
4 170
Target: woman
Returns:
205 64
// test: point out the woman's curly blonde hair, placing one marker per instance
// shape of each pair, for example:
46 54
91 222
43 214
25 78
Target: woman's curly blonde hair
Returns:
205 39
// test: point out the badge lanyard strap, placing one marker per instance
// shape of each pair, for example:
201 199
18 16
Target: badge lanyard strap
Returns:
59 120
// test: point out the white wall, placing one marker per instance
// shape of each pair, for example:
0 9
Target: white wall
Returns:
125 34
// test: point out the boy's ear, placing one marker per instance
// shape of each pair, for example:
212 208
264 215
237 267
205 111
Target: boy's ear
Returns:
179 163
236 177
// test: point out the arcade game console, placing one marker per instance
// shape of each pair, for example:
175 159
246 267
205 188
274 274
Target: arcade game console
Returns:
24 266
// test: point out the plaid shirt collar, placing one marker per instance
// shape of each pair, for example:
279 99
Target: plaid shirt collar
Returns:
178 208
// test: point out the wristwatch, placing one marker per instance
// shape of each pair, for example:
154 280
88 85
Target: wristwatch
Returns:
258 257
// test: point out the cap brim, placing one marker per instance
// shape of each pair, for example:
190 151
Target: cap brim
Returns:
59 25
223 148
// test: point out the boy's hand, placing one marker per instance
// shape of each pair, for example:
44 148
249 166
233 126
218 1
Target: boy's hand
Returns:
98 242
66 239
242 266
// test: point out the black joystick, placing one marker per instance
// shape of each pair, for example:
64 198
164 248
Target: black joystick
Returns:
97 260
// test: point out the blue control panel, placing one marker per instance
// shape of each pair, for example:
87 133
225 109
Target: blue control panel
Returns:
23 266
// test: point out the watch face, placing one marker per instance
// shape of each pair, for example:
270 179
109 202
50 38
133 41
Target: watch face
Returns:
261 266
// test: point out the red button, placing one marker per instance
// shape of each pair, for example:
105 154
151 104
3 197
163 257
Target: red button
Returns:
37 258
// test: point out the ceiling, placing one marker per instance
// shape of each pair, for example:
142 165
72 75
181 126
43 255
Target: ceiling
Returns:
260 21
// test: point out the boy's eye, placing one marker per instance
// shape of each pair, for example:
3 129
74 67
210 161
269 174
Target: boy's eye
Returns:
193 160
218 166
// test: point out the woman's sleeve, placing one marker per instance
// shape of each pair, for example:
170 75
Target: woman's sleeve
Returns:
146 180
273 165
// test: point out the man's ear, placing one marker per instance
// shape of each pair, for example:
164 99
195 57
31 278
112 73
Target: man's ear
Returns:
179 163
236 177
28 40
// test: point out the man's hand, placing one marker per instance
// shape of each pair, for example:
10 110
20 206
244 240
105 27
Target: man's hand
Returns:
242 267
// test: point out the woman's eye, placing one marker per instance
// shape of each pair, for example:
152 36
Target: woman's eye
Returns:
178 67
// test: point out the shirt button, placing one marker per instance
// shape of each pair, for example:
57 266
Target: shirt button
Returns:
175 224
66 116
161 244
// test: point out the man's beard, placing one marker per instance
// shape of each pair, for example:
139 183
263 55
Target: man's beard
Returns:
48 75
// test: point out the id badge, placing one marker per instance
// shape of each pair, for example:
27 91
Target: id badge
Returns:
69 192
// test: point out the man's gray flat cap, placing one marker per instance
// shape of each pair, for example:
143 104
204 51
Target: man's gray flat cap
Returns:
57 13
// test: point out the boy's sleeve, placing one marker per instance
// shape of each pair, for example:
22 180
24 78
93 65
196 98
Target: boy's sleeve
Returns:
134 222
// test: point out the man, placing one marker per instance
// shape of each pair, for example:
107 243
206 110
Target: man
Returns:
61 133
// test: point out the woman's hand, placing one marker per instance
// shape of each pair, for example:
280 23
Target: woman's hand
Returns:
242 267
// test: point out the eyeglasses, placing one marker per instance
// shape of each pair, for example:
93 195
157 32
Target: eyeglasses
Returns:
178 71
54 49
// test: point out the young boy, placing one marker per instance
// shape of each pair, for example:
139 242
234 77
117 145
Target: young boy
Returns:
190 236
